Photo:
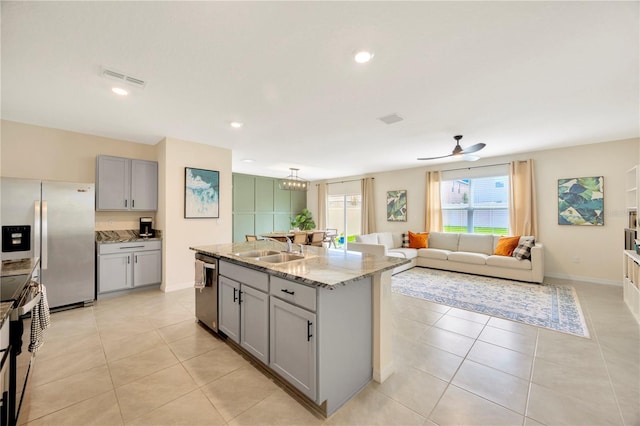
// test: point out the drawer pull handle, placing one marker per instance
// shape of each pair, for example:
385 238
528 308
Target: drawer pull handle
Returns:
130 247
284 290
309 335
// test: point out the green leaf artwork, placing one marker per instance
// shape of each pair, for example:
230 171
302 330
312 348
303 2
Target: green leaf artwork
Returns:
581 201
397 206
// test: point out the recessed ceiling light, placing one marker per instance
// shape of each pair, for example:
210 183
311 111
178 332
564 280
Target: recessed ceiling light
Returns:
119 91
236 124
248 160
363 56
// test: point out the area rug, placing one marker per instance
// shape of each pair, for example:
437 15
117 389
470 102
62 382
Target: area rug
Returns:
555 307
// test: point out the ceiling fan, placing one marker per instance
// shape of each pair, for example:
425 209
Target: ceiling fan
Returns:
458 151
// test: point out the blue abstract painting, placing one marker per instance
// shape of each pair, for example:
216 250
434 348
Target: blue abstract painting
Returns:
201 193
581 201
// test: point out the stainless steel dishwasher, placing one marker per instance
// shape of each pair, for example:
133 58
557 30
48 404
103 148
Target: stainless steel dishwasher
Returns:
207 297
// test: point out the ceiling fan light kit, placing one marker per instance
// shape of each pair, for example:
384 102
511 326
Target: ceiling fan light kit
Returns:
459 152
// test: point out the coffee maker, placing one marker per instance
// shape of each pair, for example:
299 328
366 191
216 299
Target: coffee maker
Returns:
146 226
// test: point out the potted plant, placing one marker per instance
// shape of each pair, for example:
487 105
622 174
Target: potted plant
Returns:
303 221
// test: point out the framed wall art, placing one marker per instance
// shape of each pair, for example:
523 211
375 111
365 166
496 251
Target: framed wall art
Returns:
201 193
397 206
581 201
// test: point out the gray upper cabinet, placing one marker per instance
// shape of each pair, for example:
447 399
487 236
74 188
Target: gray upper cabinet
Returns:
126 184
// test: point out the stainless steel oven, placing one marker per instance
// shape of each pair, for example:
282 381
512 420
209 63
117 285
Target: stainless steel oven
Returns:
20 357
207 296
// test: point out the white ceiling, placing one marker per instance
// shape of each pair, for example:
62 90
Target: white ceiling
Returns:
518 76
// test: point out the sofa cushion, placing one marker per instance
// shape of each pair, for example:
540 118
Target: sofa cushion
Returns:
405 240
418 240
476 243
367 238
407 253
444 240
508 262
432 253
468 257
506 245
395 254
386 239
523 251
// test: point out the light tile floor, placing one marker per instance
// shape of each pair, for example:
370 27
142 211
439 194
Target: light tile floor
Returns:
141 359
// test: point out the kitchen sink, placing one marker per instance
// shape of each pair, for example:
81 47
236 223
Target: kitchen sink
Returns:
256 253
280 257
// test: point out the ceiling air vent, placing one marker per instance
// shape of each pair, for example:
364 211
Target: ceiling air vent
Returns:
122 77
391 118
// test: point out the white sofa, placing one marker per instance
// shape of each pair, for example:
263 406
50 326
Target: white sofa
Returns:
459 252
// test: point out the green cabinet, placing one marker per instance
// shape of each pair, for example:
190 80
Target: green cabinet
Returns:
260 206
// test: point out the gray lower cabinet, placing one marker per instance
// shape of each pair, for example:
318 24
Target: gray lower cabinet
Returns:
293 345
123 266
243 308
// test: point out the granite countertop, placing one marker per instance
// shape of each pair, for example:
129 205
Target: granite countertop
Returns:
124 236
18 266
321 267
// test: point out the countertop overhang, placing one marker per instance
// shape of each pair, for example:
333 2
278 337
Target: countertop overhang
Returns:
320 267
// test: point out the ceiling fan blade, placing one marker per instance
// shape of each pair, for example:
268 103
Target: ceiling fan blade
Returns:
473 148
435 158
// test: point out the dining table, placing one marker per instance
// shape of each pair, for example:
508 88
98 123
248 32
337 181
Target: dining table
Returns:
282 236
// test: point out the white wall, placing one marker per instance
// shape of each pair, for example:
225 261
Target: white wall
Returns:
180 233
574 252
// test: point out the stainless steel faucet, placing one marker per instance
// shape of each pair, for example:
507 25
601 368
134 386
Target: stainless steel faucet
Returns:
288 243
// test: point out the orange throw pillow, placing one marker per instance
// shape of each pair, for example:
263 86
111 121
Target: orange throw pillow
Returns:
506 245
418 240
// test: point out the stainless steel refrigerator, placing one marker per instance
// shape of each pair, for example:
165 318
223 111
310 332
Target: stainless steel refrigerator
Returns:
54 221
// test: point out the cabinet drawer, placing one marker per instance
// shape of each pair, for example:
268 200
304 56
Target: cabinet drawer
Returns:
255 279
293 292
110 248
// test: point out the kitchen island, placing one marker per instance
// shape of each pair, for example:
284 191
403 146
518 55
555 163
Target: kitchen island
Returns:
338 304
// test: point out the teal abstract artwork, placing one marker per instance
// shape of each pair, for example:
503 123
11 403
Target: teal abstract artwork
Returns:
581 201
201 193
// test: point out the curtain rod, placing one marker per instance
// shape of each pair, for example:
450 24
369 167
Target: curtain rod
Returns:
343 181
476 167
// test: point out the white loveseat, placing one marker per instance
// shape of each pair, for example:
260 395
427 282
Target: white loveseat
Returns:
459 252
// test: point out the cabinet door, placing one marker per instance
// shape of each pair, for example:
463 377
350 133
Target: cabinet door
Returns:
229 308
144 185
147 267
254 322
112 183
293 345
114 272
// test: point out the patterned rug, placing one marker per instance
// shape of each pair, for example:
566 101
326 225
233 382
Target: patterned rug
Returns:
551 306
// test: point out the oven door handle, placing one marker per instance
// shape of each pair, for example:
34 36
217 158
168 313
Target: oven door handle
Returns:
27 307
210 266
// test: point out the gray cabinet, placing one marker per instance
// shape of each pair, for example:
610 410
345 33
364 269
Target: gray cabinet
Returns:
243 308
293 345
126 184
122 266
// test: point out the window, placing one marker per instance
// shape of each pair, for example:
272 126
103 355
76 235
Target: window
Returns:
477 205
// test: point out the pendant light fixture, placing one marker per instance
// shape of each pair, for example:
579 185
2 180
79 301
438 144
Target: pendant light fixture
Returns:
293 182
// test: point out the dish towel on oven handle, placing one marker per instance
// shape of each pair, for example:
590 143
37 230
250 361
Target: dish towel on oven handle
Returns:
200 277
40 321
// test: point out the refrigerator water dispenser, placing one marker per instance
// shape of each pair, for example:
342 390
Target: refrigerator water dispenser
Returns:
16 238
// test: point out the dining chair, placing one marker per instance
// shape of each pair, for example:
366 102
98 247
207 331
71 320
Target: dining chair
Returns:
330 237
299 238
317 238
251 238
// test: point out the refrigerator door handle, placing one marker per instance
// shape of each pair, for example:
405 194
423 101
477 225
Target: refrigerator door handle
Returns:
36 228
45 250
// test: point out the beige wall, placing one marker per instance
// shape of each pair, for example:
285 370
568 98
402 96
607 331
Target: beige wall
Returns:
572 252
180 233
36 152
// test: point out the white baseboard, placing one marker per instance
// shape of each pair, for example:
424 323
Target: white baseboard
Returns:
387 371
584 279
176 286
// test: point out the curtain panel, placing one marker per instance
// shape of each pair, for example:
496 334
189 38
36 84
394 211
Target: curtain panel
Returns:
368 218
322 206
433 210
522 209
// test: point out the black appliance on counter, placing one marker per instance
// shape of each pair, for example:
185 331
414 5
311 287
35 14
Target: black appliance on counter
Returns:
23 292
146 227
